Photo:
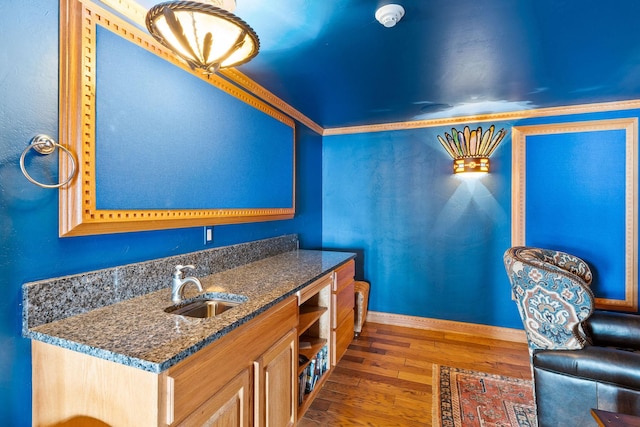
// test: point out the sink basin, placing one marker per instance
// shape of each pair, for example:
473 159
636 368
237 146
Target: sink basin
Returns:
204 306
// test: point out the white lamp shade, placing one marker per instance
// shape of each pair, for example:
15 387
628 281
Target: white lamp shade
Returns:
205 36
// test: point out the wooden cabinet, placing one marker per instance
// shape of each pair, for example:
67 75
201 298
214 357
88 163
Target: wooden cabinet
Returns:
314 340
245 373
71 388
325 329
249 377
343 301
256 344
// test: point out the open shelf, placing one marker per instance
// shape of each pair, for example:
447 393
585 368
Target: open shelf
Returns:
310 352
312 375
308 316
314 333
308 398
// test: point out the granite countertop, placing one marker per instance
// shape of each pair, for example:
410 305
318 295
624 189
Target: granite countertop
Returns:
139 333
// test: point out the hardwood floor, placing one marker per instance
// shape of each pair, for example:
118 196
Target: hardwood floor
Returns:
384 379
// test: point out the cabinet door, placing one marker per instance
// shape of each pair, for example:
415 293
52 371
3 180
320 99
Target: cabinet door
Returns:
229 407
275 384
342 337
70 388
342 319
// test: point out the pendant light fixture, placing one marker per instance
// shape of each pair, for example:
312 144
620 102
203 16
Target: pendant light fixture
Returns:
205 34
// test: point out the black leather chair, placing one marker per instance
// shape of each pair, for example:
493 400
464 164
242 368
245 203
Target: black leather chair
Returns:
581 358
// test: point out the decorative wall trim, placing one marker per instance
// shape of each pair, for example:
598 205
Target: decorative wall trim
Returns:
245 82
518 200
494 332
136 13
78 212
131 9
416 124
514 115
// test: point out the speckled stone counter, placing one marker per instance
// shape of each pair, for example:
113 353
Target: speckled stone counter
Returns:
48 300
138 332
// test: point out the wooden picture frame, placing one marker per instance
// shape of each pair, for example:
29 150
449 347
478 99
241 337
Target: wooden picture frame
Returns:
80 212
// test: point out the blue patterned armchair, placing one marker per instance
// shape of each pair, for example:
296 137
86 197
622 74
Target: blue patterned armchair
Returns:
581 358
553 295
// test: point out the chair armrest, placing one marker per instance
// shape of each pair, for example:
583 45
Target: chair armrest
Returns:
601 364
607 328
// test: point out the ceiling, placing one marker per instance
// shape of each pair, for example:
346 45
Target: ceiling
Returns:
333 62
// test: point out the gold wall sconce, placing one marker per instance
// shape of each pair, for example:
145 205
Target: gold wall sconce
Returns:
471 149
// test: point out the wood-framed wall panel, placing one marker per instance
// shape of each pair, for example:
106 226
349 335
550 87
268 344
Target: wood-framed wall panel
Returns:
78 212
519 192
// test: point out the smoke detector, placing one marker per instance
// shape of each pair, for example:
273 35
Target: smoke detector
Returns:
390 14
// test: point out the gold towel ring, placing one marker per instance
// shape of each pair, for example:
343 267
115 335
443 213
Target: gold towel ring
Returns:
44 144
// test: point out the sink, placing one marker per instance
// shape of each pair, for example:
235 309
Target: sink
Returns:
206 306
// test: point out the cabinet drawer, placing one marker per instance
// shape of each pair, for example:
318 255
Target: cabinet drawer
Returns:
343 303
343 335
313 289
344 275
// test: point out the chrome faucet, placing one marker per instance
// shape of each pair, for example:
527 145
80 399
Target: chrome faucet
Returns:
178 283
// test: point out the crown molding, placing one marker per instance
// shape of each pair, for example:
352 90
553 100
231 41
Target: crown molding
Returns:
513 115
135 12
129 9
246 83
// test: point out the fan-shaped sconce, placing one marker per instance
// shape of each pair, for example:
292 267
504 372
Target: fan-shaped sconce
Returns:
471 149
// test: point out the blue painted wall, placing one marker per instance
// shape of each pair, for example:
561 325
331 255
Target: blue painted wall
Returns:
29 245
431 243
585 213
425 234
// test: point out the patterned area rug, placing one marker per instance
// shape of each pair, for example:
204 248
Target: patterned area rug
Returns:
463 398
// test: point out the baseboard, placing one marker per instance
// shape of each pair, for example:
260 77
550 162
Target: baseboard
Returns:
495 332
